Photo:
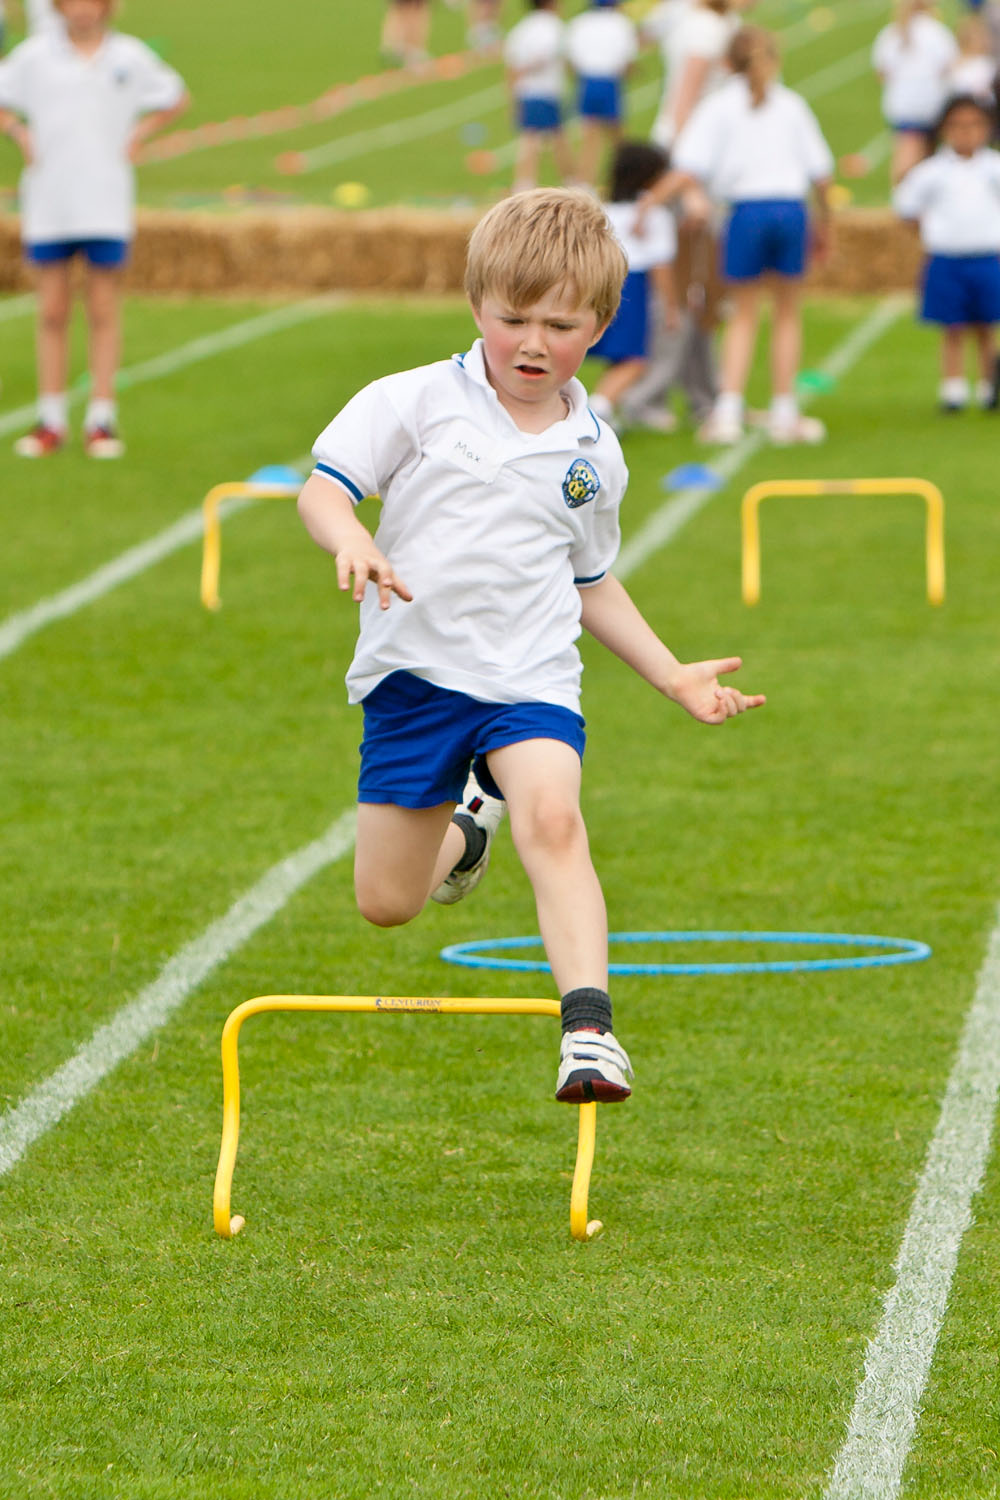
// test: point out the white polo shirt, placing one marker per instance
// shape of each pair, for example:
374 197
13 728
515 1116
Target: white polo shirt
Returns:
534 51
601 43
81 112
699 34
744 152
957 201
915 70
493 529
656 246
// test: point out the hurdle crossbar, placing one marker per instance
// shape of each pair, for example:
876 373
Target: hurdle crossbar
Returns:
227 1225
211 549
929 493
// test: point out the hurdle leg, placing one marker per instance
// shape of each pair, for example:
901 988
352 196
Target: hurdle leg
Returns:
580 1226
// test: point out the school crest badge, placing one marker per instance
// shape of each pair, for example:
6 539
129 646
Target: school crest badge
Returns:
581 483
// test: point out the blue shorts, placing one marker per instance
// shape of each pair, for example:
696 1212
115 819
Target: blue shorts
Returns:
539 114
961 289
600 98
912 127
420 739
104 253
627 335
767 234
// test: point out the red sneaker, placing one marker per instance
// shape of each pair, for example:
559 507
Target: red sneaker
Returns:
39 442
103 442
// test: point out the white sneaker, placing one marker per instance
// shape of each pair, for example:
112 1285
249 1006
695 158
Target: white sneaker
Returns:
592 1067
800 430
486 812
721 432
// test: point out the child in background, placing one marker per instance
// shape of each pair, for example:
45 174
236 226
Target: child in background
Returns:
500 493
757 146
626 340
405 31
533 54
913 56
974 70
601 45
79 100
955 197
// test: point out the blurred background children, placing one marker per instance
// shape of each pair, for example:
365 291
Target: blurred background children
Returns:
79 100
533 54
913 56
601 45
757 146
974 70
694 59
955 198
405 31
625 343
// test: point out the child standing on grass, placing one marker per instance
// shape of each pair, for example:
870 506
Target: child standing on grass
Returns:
955 197
533 54
500 493
625 343
757 146
602 45
79 100
912 57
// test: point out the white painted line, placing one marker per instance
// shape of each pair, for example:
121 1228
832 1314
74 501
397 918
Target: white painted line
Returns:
16 629
397 132
207 347
664 524
844 70
16 307
898 1360
112 1043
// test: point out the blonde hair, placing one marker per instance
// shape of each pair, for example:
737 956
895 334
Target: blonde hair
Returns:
753 53
548 237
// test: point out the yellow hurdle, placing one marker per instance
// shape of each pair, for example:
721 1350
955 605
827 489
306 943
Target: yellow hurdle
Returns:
931 495
211 550
227 1224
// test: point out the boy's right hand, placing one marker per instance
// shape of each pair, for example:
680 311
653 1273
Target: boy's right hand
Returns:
363 559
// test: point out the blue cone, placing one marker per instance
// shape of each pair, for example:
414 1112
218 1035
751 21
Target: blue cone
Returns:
691 477
278 474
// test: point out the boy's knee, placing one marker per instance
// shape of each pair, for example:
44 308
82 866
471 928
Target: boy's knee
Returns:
382 907
553 825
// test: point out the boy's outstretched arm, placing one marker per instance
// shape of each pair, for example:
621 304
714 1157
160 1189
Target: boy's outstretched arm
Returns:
327 513
610 616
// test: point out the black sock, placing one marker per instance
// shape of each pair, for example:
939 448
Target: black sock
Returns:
475 841
586 1010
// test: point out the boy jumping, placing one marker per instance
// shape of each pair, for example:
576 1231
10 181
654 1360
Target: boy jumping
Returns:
500 492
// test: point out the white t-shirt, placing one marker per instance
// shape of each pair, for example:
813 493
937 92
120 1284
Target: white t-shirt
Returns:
915 71
493 529
656 246
973 75
699 34
601 43
742 152
81 112
39 15
534 50
957 201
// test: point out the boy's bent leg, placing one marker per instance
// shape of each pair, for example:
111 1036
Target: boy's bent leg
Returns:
401 855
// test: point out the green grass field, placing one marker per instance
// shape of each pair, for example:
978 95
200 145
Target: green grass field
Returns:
405 1312
241 60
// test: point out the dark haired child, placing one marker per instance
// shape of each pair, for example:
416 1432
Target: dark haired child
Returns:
955 197
625 343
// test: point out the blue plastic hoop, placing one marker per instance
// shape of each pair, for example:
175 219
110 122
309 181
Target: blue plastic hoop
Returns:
474 955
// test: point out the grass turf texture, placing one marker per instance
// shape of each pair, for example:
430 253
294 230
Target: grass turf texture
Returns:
405 1312
242 60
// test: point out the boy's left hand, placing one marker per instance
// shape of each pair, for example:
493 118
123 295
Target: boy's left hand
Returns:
697 688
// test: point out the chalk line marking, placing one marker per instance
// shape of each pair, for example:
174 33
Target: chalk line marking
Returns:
16 629
17 307
665 522
189 967
206 347
397 132
898 1360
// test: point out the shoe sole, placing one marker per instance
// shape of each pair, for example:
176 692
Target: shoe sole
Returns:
592 1089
